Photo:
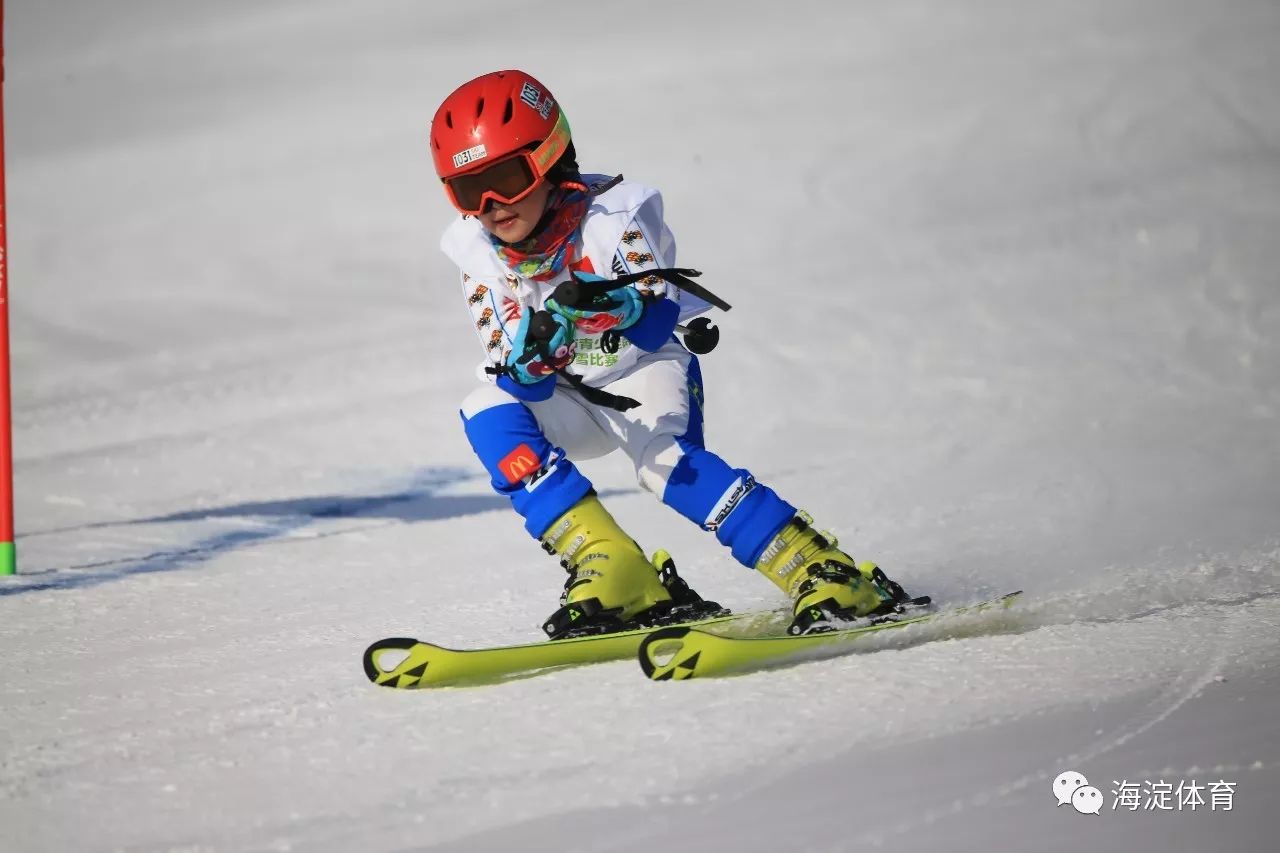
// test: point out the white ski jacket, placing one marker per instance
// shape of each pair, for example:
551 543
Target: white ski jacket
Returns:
623 232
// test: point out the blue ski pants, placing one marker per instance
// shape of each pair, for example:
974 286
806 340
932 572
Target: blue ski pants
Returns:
528 449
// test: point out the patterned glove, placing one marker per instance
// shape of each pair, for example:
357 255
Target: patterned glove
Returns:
544 343
596 308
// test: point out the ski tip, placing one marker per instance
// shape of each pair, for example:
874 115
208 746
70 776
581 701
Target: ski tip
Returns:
373 657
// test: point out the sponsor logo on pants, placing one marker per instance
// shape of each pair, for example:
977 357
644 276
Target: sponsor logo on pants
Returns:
519 463
728 503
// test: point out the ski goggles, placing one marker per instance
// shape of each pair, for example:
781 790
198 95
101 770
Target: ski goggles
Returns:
511 179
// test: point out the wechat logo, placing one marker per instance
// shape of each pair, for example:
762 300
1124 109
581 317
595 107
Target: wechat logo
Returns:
1072 788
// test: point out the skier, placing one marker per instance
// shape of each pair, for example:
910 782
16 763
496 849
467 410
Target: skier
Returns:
570 376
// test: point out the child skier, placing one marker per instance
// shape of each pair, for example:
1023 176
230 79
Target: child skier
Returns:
579 372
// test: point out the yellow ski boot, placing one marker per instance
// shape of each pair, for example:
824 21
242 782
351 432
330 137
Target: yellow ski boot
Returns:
612 585
828 587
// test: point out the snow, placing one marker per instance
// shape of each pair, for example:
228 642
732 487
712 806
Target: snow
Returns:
1048 231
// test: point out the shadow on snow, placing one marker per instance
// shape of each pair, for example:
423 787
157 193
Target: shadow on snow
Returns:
271 522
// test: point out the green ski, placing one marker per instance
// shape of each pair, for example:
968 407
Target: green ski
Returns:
681 652
404 662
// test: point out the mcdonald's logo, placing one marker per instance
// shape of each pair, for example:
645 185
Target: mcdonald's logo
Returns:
519 463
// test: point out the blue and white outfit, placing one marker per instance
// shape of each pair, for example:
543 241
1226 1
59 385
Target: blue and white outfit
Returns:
511 426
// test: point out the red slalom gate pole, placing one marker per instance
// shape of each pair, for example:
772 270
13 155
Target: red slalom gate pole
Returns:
8 559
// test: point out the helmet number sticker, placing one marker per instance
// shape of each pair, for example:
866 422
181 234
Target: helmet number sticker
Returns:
532 97
462 158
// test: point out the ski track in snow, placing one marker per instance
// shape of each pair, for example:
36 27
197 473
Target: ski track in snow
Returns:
1186 686
1048 234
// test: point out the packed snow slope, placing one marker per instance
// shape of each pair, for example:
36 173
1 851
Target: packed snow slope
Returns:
1006 288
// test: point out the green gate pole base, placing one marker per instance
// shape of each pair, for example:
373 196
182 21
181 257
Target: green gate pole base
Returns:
8 559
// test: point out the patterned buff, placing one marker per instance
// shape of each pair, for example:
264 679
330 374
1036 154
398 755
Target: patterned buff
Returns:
542 256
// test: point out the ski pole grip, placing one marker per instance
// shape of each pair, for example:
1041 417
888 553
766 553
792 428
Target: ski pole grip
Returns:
579 293
543 326
567 293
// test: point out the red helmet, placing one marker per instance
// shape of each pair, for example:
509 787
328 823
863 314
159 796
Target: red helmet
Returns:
494 116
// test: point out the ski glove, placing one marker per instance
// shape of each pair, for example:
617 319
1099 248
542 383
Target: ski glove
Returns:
544 343
595 309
